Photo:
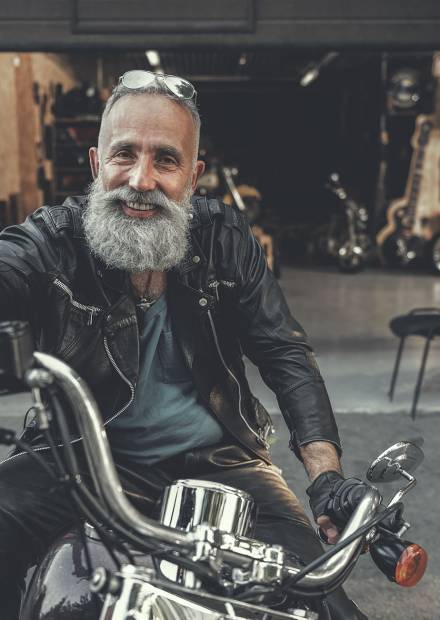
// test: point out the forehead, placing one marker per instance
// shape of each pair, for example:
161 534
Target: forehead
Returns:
149 119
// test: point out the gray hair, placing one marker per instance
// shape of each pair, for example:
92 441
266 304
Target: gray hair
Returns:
156 88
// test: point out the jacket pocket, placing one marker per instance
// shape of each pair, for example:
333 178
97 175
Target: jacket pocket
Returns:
77 320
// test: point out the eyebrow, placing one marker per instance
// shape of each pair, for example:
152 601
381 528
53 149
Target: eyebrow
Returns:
168 150
120 144
159 149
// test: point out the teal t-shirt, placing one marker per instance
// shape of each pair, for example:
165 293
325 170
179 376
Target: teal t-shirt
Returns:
166 416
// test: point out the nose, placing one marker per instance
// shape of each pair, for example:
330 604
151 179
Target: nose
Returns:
142 175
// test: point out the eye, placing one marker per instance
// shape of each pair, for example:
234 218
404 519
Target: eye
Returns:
166 160
123 154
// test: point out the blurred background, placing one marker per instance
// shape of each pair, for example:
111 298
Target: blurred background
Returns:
282 120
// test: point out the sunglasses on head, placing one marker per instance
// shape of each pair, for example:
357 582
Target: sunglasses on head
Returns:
178 87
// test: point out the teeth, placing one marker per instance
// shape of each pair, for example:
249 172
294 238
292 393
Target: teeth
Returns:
137 206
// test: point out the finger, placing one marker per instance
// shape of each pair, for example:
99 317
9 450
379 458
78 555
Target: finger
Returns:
330 530
332 535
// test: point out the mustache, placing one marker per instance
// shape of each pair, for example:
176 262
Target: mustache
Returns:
126 194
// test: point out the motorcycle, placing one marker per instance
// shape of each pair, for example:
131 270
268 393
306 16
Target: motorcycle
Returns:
346 239
248 200
197 562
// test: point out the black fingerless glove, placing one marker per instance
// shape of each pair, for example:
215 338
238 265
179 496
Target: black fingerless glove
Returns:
336 497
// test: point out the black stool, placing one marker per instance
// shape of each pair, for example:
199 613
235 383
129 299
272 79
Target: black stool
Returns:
423 322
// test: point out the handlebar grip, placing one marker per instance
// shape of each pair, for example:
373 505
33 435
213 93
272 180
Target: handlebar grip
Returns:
16 352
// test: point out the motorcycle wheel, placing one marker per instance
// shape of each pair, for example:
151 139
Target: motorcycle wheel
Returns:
435 254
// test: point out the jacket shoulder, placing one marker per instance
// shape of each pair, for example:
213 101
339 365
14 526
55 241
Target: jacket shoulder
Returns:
58 218
207 210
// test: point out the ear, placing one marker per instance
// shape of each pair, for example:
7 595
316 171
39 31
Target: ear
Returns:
94 161
199 169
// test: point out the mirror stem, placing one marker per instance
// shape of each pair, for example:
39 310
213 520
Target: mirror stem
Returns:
411 483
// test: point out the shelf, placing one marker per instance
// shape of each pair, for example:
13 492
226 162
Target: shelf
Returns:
72 169
71 139
77 120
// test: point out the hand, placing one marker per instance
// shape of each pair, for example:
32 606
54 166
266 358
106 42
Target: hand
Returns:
333 500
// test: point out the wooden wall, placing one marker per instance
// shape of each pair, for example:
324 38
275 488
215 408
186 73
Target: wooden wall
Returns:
23 76
9 167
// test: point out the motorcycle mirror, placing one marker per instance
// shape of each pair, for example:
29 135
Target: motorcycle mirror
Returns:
402 456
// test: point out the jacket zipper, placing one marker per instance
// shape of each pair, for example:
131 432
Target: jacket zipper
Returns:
258 436
215 284
92 310
123 377
118 413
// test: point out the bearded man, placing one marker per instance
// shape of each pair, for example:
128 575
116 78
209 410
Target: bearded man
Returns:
152 295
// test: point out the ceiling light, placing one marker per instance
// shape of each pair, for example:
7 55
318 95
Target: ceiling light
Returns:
312 71
153 58
242 60
309 76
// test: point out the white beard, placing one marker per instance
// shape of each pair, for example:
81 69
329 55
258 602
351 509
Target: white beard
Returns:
157 243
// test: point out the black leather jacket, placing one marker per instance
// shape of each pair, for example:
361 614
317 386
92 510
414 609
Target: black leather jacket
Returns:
223 302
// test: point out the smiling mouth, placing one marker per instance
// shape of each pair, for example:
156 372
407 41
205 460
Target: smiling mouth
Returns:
138 206
138 209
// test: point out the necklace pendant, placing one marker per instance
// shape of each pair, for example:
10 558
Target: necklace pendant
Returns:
144 303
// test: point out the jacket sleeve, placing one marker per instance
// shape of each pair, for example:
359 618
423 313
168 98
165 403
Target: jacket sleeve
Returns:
277 344
25 260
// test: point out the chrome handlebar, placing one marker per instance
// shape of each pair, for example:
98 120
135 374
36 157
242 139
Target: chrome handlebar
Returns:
98 454
265 563
336 565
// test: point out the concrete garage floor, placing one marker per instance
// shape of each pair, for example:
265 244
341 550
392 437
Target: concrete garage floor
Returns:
347 318
364 437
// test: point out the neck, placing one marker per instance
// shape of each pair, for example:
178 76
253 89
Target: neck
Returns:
148 284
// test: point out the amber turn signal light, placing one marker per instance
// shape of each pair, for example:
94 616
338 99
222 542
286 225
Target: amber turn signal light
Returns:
400 560
411 566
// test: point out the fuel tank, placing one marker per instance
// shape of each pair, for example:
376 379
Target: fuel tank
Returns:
59 588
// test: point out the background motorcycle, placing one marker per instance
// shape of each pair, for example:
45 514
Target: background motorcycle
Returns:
345 239
220 179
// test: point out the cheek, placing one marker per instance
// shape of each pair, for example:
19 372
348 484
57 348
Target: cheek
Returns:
177 186
179 193
113 177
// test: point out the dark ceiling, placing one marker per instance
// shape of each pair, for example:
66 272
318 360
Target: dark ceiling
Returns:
250 67
217 65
